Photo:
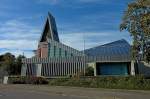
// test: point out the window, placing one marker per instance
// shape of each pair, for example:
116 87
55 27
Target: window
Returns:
54 51
59 52
65 53
49 47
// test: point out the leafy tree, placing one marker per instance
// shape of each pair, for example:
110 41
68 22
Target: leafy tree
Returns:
10 64
1 59
136 20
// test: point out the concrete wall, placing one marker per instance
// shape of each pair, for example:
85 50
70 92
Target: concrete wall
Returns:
132 72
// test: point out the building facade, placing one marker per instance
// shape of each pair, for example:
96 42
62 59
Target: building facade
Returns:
54 58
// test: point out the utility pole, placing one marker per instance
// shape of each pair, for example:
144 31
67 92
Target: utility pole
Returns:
23 53
84 61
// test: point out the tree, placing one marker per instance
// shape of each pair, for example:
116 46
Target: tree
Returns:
9 63
1 60
136 21
3 72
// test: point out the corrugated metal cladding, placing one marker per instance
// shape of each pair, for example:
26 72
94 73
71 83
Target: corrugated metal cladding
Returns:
61 69
87 59
117 48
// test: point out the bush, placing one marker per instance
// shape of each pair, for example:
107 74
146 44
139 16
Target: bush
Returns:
115 82
128 82
89 71
28 80
59 81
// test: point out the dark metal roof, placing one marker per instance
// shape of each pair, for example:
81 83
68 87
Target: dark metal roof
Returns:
118 51
50 29
120 48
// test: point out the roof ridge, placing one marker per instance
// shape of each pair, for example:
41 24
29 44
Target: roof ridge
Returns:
109 44
115 42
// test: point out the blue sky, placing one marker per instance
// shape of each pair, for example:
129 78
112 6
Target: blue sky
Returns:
21 23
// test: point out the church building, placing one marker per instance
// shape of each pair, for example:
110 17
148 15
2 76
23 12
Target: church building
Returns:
55 59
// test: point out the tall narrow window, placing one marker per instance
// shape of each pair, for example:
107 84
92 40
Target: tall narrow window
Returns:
54 51
59 52
65 53
49 47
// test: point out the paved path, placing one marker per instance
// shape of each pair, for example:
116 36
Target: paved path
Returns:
47 92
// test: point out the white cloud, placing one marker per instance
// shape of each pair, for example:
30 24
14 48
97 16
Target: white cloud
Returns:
18 44
18 47
18 52
92 39
18 35
76 40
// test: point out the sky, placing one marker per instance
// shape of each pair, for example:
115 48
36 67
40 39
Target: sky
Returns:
94 21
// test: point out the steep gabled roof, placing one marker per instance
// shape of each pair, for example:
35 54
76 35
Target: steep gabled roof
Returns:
113 49
50 30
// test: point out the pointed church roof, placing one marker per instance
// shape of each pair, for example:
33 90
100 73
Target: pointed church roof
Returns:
50 30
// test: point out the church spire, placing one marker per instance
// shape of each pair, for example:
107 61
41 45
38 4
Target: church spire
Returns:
50 30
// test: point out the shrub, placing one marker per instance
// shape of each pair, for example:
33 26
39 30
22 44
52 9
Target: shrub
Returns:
28 80
89 71
37 80
59 81
115 82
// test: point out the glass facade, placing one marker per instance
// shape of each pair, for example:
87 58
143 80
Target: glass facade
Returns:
112 69
54 51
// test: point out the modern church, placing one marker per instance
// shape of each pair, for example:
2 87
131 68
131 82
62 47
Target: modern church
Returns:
55 59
